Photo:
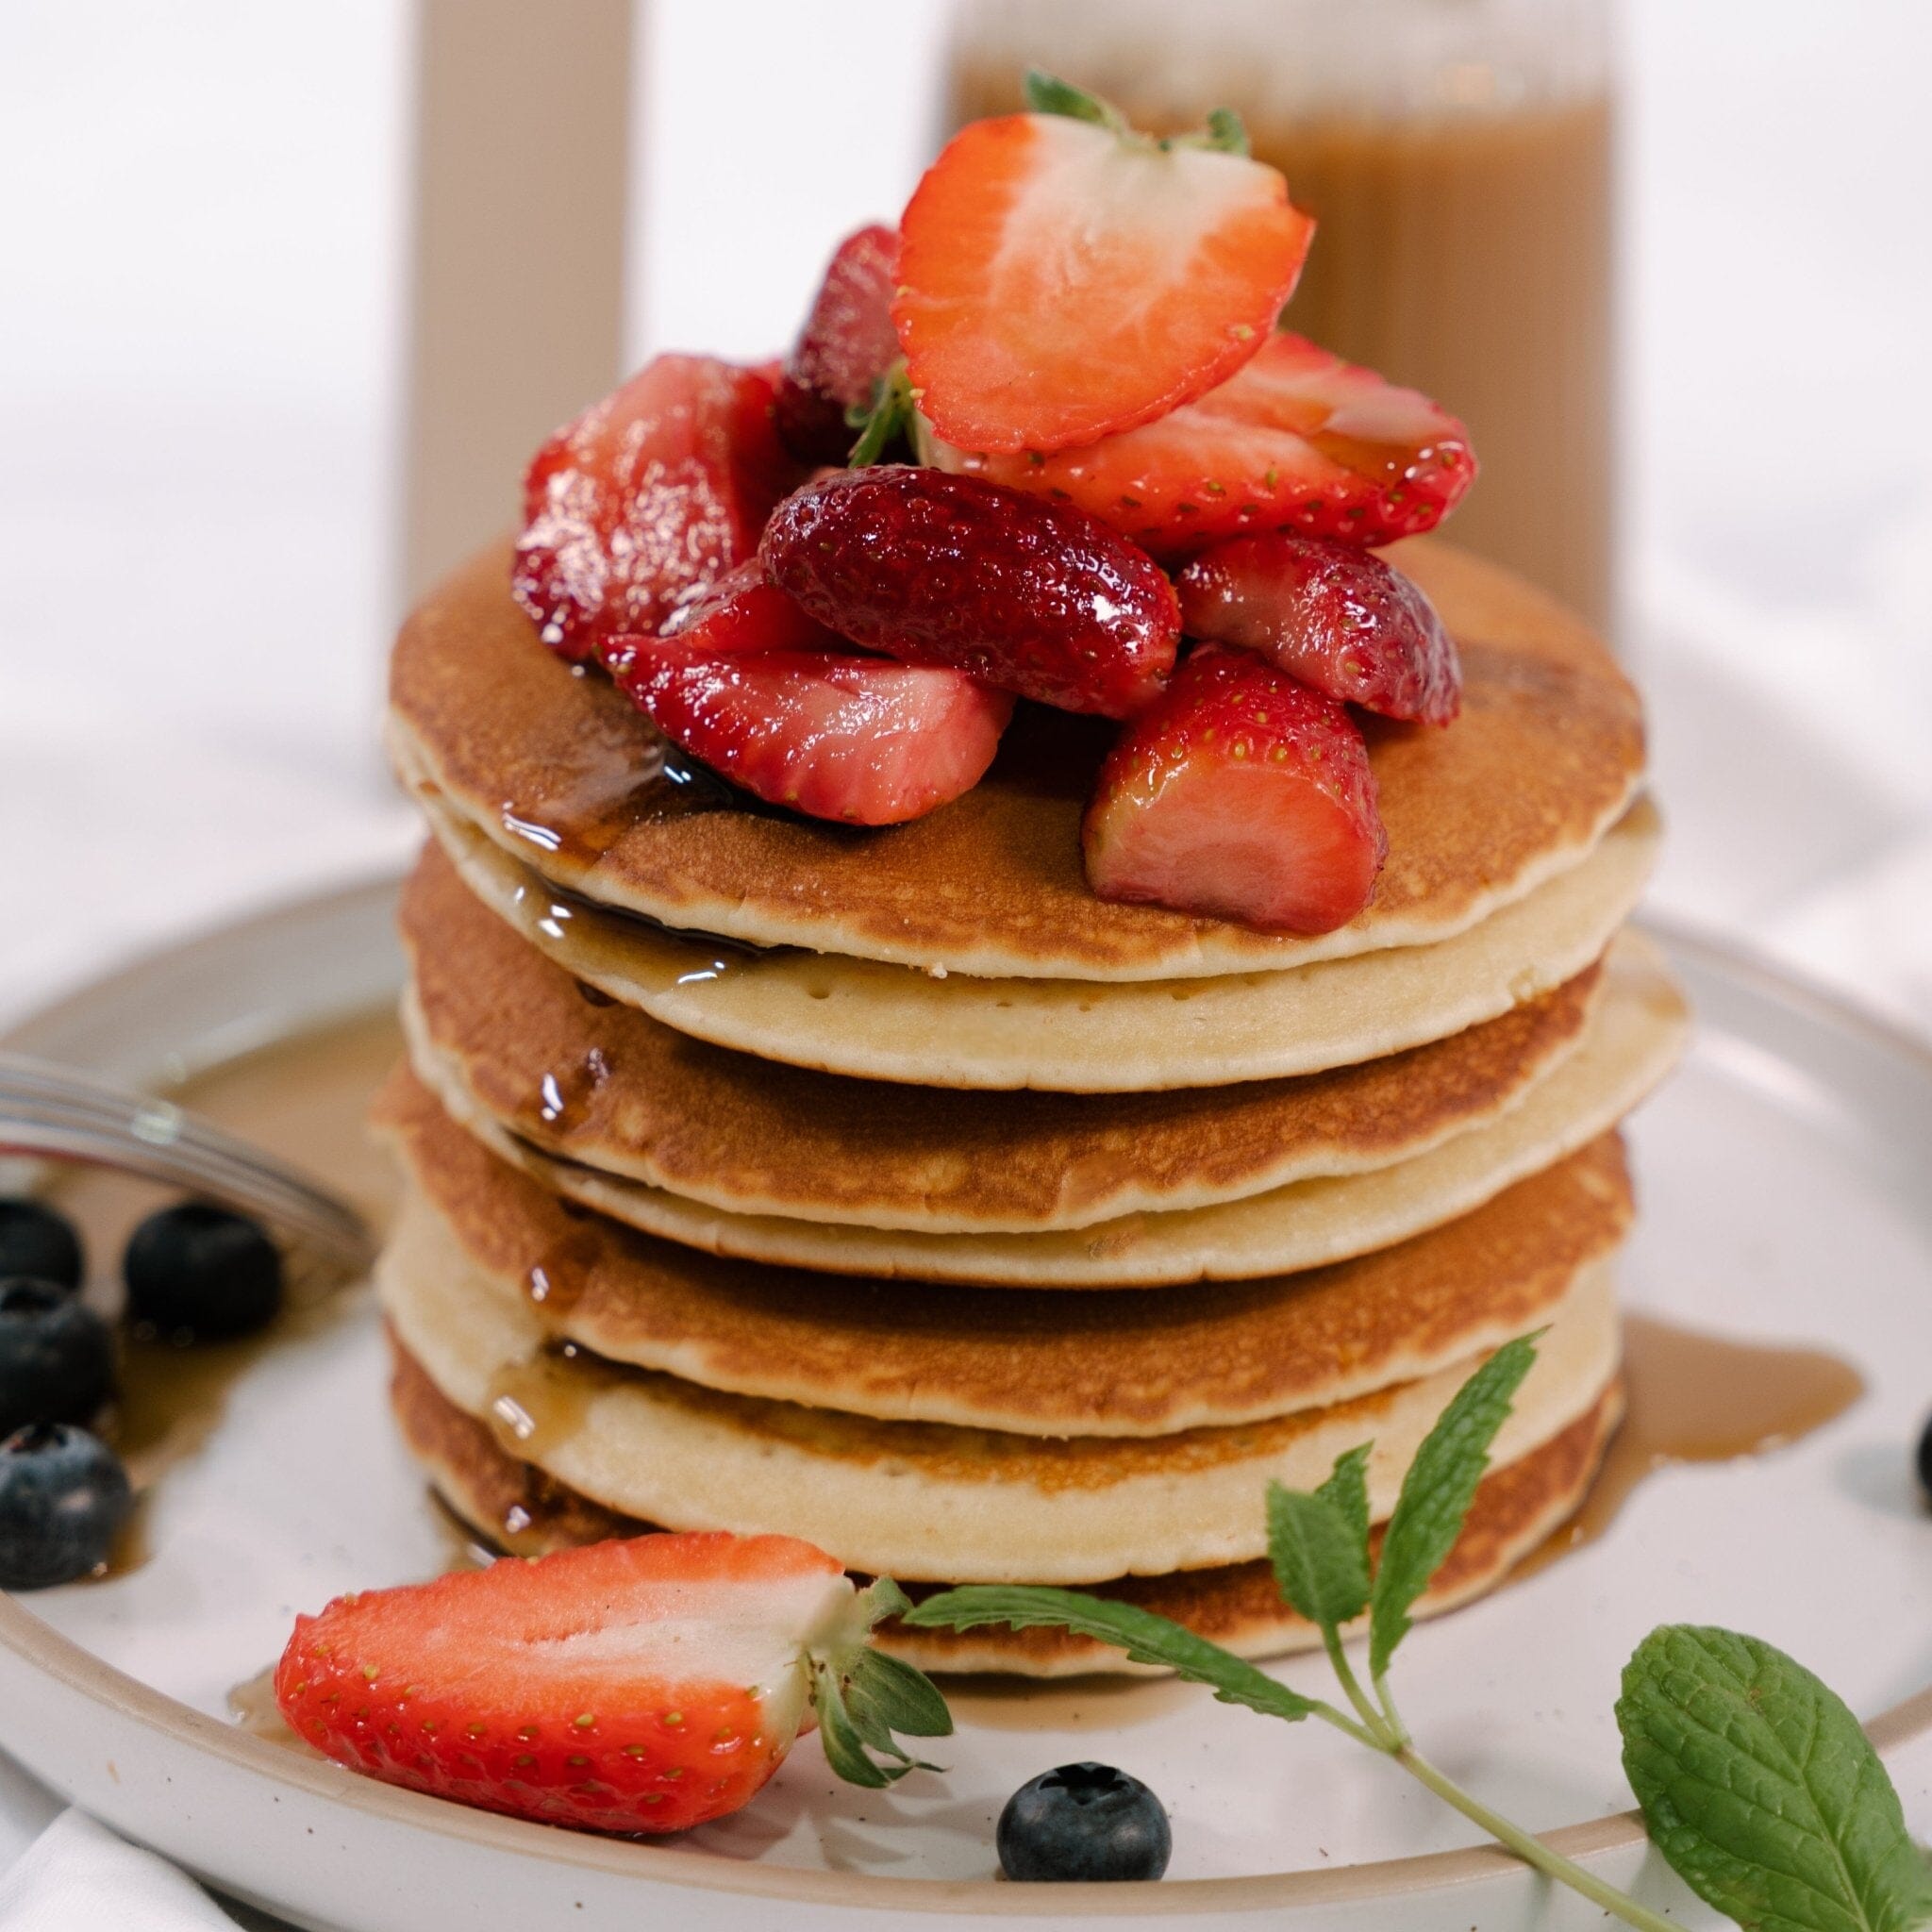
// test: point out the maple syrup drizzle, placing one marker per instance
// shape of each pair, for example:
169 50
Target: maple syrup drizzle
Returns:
1697 1398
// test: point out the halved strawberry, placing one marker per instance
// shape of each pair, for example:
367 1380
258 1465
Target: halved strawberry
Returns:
1243 795
640 1686
1063 279
1298 440
1333 615
646 497
847 344
741 613
1034 596
836 734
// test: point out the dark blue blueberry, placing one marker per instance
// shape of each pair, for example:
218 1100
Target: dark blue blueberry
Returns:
64 1498
1926 1460
56 1356
1084 1822
198 1272
37 1240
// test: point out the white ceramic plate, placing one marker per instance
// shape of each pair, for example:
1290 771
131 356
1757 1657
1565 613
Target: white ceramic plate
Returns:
1784 1200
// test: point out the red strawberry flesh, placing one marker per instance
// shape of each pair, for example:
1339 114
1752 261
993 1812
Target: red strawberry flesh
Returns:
646 498
835 734
1061 282
847 344
640 1686
1298 440
1240 794
1334 616
1034 596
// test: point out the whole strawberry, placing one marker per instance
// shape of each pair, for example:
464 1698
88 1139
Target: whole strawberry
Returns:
1031 595
1333 615
1242 795
642 1685
646 498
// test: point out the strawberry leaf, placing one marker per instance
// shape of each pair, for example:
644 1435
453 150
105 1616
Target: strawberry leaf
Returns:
1147 1639
1321 1565
1437 1493
1046 93
903 1698
1761 1791
889 418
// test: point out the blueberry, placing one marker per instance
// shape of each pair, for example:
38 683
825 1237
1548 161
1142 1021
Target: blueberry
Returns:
64 1498
1084 1820
201 1272
34 1240
56 1356
1926 1460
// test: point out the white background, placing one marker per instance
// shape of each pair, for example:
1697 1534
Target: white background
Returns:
199 241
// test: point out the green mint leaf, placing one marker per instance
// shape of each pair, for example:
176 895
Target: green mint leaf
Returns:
1046 93
905 1699
1321 1565
1347 1489
889 418
1760 1789
1437 1493
1147 1639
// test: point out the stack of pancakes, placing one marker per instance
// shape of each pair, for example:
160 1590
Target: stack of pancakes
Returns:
888 1189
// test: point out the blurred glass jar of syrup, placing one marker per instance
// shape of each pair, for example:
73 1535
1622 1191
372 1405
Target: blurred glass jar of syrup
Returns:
1457 156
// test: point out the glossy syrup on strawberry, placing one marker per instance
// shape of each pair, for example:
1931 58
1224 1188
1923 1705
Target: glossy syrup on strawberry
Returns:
1332 614
1298 440
646 498
1034 596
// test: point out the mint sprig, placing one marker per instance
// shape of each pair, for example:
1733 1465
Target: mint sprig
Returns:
1759 1787
1755 1783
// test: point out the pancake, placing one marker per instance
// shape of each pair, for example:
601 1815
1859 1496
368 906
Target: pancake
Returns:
1136 1364
931 1501
888 1023
1630 1044
557 768
607 1087
515 1507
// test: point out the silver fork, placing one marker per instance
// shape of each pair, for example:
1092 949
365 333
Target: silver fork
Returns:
56 1113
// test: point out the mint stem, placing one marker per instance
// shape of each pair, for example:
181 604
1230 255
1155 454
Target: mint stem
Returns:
1532 1850
1380 1732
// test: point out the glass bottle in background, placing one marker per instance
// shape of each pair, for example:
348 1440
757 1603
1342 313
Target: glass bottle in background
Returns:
1457 156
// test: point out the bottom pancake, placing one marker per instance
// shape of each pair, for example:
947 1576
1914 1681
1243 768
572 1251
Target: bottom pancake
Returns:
518 1507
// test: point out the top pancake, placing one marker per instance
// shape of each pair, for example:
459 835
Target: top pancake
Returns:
555 765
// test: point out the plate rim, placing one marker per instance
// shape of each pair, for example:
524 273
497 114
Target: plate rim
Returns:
40 1647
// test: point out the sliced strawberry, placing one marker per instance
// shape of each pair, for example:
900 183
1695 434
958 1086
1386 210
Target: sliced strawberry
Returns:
847 343
741 613
647 497
1334 616
1298 441
1061 282
1243 795
832 733
643 1686
1028 595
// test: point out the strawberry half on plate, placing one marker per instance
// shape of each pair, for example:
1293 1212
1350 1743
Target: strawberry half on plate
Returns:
1298 440
1062 278
640 1686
